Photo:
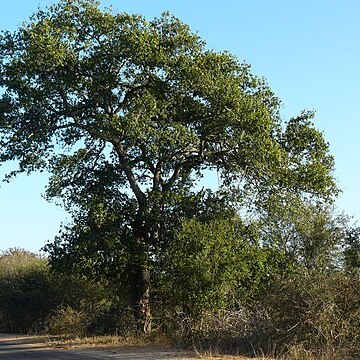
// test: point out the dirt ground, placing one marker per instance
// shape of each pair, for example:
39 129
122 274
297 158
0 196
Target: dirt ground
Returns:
33 347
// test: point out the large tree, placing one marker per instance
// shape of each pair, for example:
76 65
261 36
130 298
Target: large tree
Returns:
120 109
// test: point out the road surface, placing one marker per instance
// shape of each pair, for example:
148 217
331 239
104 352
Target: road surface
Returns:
22 348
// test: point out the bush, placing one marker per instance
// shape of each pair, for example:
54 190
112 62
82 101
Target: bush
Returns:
27 294
318 313
302 316
231 331
209 266
34 299
68 322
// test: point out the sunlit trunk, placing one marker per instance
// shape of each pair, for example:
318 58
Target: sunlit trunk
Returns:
140 299
139 277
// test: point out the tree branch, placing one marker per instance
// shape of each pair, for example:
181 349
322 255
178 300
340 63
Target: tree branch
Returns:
140 196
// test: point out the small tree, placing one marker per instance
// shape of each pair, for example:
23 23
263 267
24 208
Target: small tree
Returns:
310 233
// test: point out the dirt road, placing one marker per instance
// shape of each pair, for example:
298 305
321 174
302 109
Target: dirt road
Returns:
23 348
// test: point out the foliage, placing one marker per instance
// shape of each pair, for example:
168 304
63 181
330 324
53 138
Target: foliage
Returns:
27 294
214 265
317 312
126 114
101 317
312 234
69 322
303 316
352 250
30 295
101 248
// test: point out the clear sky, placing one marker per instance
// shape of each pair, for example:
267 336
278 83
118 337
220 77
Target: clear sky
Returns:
308 50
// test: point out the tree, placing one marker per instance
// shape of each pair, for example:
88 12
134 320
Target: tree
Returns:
352 249
126 111
310 233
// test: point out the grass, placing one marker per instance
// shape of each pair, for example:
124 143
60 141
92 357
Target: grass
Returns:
116 342
145 344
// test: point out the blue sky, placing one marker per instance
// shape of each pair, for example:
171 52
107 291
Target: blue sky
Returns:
309 52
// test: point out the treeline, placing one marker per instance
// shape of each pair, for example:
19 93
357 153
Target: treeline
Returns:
221 285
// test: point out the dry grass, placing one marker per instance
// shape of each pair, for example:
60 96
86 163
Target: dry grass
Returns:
230 357
99 341
143 343
215 356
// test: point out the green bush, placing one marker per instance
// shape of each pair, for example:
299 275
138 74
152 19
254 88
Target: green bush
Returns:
27 294
35 299
209 266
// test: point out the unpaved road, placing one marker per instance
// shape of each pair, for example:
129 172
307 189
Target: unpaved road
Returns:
23 348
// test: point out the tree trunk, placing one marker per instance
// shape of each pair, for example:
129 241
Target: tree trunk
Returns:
140 299
140 276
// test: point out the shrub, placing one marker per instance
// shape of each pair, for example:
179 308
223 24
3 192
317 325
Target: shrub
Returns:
316 312
27 294
210 265
68 322
33 299
304 316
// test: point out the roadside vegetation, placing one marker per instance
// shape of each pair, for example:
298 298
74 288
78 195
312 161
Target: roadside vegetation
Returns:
214 298
127 116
